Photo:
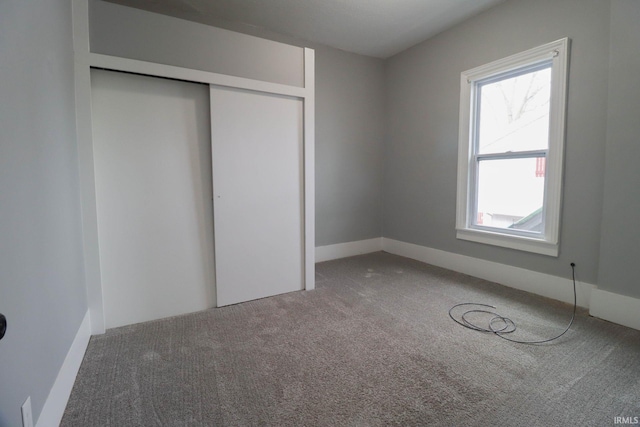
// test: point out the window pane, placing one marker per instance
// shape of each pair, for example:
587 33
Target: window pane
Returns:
511 193
513 112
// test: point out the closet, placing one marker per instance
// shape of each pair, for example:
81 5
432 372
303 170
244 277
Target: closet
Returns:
199 195
196 163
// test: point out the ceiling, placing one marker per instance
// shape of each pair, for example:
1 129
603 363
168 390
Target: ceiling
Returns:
379 28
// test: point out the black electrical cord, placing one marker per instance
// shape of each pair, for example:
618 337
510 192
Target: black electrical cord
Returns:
506 325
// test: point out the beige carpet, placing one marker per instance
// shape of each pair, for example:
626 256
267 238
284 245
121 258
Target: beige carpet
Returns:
372 346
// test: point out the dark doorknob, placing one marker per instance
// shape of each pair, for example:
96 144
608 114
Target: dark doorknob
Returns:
3 325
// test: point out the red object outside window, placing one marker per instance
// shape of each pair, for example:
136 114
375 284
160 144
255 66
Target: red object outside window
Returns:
540 166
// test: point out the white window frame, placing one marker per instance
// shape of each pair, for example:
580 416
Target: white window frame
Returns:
547 242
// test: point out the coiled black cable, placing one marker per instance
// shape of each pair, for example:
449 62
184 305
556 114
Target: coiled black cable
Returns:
506 325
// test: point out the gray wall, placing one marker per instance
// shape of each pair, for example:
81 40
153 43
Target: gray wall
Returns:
349 146
620 247
422 129
132 33
349 111
41 268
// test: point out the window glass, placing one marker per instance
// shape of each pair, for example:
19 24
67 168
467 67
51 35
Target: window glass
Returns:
511 194
513 112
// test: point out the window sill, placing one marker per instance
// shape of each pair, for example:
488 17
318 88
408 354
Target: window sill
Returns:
520 243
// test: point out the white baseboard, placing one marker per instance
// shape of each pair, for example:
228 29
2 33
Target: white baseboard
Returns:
615 308
56 402
558 288
344 250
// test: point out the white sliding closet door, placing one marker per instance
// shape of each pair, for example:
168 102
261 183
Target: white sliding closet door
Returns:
153 191
257 149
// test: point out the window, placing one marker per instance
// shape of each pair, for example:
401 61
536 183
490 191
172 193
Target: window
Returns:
511 143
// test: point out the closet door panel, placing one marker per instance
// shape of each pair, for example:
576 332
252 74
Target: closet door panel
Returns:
153 191
257 152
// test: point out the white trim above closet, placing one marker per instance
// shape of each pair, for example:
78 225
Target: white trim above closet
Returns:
169 71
